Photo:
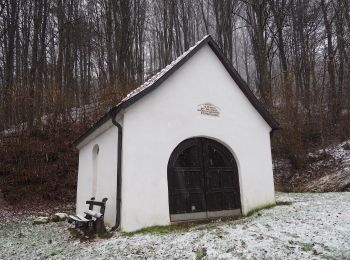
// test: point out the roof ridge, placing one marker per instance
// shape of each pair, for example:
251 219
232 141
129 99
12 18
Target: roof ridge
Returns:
160 73
157 79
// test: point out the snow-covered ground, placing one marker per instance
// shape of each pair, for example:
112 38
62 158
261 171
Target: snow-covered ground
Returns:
338 172
313 226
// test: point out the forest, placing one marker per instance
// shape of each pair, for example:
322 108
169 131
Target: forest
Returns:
64 63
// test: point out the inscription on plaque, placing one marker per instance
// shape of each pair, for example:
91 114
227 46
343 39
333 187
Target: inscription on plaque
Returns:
209 109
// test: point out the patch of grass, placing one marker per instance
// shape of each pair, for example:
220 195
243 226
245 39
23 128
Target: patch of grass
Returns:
75 234
158 230
105 235
231 249
306 247
269 206
220 233
10 229
184 226
283 203
240 255
180 226
256 210
201 253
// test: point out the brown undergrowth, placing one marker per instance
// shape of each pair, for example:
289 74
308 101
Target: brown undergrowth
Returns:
39 166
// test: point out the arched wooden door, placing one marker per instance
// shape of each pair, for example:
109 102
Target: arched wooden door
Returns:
202 181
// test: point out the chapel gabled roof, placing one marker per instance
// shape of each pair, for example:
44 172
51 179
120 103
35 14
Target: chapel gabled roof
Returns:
156 80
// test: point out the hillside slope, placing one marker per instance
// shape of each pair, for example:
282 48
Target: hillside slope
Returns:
328 170
39 166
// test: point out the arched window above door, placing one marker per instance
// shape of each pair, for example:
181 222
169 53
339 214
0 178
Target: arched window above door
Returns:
188 157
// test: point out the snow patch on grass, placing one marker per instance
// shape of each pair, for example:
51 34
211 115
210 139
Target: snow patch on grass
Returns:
306 226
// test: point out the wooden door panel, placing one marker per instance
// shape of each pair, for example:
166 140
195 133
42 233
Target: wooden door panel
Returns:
213 180
182 179
196 202
202 177
228 179
177 180
186 177
229 200
179 203
194 179
221 173
214 201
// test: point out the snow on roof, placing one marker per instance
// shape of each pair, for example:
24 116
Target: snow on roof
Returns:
158 75
152 82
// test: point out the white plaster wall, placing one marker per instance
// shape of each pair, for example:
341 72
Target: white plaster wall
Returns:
106 173
158 122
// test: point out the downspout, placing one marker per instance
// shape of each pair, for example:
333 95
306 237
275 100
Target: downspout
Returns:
119 170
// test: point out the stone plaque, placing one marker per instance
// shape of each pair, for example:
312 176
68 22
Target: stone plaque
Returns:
209 109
